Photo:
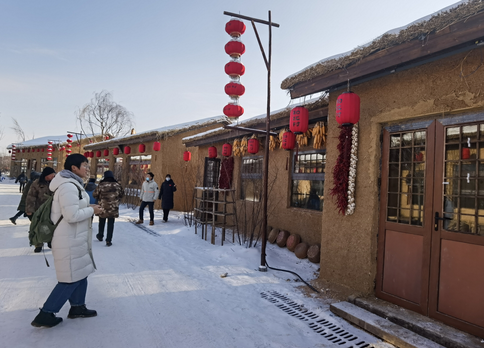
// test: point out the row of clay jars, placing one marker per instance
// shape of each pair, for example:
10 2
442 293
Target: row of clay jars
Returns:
293 243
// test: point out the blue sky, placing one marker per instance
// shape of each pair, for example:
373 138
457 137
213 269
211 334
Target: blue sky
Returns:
164 60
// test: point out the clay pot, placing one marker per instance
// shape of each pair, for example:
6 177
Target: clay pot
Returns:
292 241
301 250
314 253
273 235
282 238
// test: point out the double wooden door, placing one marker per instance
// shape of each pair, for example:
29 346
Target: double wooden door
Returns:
431 237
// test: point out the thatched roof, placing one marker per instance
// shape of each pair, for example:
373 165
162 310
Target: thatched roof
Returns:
159 133
312 104
416 30
59 140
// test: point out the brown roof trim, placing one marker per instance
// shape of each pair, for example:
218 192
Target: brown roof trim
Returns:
315 115
151 136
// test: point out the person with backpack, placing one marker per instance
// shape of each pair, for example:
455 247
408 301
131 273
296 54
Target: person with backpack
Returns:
166 195
149 192
71 243
21 207
38 194
22 180
109 194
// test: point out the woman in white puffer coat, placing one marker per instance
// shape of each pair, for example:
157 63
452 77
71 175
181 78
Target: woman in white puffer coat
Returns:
71 244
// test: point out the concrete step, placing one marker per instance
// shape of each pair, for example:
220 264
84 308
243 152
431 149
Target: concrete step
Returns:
424 326
380 327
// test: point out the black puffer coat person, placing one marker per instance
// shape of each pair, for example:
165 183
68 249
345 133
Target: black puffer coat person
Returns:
166 194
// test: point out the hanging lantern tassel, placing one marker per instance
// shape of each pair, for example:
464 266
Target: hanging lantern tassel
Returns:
350 209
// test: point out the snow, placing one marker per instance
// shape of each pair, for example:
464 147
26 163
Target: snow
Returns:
394 31
254 118
158 289
177 127
40 141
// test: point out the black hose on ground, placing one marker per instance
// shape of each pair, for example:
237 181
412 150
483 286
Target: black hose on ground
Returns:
283 270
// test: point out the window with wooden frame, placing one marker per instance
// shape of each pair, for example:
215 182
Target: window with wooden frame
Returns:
251 178
307 185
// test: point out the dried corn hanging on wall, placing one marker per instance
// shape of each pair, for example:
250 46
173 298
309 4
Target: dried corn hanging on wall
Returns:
281 135
243 146
303 139
236 148
319 135
274 142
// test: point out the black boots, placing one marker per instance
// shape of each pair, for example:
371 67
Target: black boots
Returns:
81 312
12 220
45 319
38 249
99 238
108 243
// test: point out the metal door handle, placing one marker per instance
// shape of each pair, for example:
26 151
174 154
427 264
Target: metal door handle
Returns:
437 219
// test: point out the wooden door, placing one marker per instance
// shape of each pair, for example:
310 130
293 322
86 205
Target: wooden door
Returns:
457 255
431 239
406 216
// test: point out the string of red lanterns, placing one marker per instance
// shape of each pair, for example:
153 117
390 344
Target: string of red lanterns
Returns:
235 69
14 151
69 144
49 150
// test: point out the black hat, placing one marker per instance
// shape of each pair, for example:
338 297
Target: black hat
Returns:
108 174
47 171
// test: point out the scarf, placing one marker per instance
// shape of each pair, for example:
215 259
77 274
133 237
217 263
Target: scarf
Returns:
68 174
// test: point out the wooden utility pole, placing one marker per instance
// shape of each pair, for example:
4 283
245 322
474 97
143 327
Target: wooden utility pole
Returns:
267 61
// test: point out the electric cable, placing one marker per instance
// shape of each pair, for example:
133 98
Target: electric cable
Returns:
283 270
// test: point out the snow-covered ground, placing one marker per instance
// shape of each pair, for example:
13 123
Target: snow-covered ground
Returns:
161 287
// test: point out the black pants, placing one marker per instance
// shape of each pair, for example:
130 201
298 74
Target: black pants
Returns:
102 223
165 214
150 208
22 186
17 215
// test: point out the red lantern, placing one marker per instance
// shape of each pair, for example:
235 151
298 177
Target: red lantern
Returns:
23 150
299 120
235 48
42 150
98 153
234 69
86 154
288 140
466 153
212 152
187 156
106 152
235 27
38 150
253 146
348 108
69 141
68 146
69 135
116 151
141 148
91 154
227 150
157 146
233 110
127 150
234 89
28 150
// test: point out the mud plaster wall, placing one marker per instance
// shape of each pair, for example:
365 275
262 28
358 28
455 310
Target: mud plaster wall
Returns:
306 223
169 160
349 243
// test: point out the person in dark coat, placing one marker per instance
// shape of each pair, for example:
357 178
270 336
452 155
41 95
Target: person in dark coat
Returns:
166 196
109 193
21 207
22 180
38 193
90 187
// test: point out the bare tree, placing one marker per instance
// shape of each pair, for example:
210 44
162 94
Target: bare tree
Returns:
18 130
103 116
